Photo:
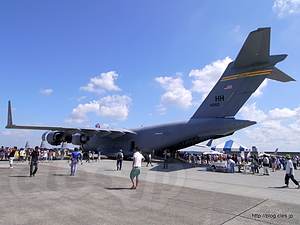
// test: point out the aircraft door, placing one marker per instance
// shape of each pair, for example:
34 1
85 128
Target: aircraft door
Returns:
132 146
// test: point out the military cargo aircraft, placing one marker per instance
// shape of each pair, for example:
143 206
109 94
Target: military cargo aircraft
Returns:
213 119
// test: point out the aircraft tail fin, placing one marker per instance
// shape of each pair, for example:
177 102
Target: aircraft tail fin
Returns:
256 49
9 116
242 77
209 143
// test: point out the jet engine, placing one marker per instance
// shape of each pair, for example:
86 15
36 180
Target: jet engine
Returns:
57 137
80 139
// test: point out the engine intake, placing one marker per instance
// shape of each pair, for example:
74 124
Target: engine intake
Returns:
57 137
80 138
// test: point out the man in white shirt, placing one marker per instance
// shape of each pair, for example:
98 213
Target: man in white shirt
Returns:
289 172
266 165
231 164
22 154
138 158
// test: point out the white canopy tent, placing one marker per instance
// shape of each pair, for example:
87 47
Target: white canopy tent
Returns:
212 153
191 151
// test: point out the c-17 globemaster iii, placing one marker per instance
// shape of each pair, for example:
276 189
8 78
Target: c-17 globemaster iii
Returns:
213 119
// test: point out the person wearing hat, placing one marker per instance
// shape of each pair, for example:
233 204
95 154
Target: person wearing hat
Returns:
34 161
120 157
138 158
289 172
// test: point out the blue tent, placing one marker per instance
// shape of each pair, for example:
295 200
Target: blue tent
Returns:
230 146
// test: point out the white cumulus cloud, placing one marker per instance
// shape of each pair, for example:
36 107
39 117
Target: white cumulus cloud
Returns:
101 84
272 129
176 93
206 78
115 106
250 112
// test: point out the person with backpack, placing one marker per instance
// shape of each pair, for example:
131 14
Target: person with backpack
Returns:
120 157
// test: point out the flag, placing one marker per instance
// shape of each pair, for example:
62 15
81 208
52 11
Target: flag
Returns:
227 87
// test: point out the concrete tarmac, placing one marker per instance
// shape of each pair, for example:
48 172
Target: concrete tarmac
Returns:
181 194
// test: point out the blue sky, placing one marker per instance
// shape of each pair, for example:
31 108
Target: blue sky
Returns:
130 63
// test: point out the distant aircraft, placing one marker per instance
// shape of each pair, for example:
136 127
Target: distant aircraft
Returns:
203 148
213 119
208 144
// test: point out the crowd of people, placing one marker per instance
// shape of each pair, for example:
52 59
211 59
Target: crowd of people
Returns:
37 155
272 162
266 162
22 155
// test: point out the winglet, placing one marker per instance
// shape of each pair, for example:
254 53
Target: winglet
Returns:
9 117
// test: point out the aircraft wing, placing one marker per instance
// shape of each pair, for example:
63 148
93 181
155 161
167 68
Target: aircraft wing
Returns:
89 131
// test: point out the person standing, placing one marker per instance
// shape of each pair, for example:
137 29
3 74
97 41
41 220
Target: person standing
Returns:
266 165
93 155
138 158
167 157
120 157
231 164
254 164
80 157
290 172
50 155
11 157
149 160
273 163
74 161
34 161
99 156
22 154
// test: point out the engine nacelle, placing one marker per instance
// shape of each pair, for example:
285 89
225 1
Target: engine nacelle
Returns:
80 139
57 137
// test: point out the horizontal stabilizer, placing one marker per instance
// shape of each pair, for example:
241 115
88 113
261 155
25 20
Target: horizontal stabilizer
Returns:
256 49
278 75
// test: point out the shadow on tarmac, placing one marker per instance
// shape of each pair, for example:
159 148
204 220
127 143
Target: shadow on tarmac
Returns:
115 189
282 187
19 176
